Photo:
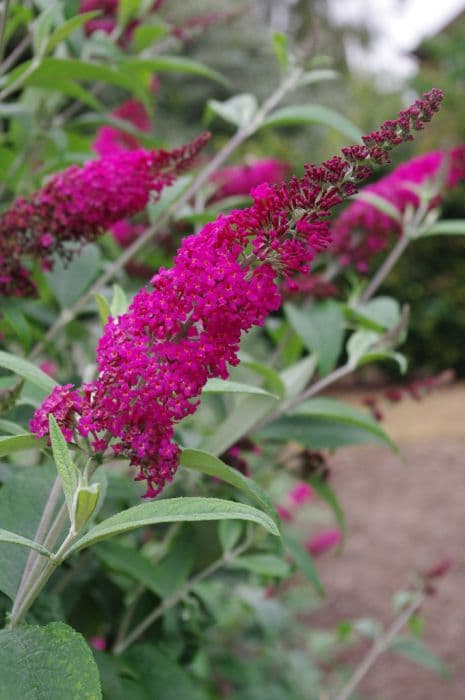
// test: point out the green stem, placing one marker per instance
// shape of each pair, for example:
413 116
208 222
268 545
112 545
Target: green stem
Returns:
16 84
380 646
3 23
35 581
138 592
385 269
172 600
42 527
39 581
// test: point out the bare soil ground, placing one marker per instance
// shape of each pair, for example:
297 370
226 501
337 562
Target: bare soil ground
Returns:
403 517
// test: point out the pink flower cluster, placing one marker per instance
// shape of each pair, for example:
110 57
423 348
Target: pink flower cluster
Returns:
241 179
79 204
154 360
362 230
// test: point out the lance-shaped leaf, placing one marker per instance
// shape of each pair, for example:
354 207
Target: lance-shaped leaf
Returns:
173 510
227 386
211 465
27 370
14 443
313 114
304 563
449 227
14 538
69 473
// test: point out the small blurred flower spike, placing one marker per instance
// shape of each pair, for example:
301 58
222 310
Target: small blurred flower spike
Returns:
154 360
363 230
240 179
79 204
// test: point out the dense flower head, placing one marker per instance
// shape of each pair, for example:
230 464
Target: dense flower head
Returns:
79 204
241 179
154 360
362 230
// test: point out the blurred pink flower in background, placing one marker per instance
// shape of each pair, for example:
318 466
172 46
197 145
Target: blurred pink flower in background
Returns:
362 230
300 494
240 179
323 541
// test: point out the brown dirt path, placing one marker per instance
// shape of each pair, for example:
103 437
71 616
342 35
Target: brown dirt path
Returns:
404 517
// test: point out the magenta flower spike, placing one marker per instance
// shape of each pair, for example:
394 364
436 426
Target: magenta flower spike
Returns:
79 204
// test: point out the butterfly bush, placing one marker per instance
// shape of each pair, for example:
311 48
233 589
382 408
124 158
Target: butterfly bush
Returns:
154 360
79 204
362 230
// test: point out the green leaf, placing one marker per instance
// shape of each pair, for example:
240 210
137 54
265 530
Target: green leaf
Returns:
11 428
69 473
381 204
22 500
280 48
127 11
364 347
226 386
344 413
208 464
327 495
229 532
379 314
271 377
70 280
239 422
51 70
415 650
449 227
317 76
169 195
174 64
67 28
317 433
297 377
238 110
321 328
127 560
28 371
146 35
52 662
173 510
103 307
262 564
312 114
304 563
24 441
18 323
119 303
161 677
14 538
